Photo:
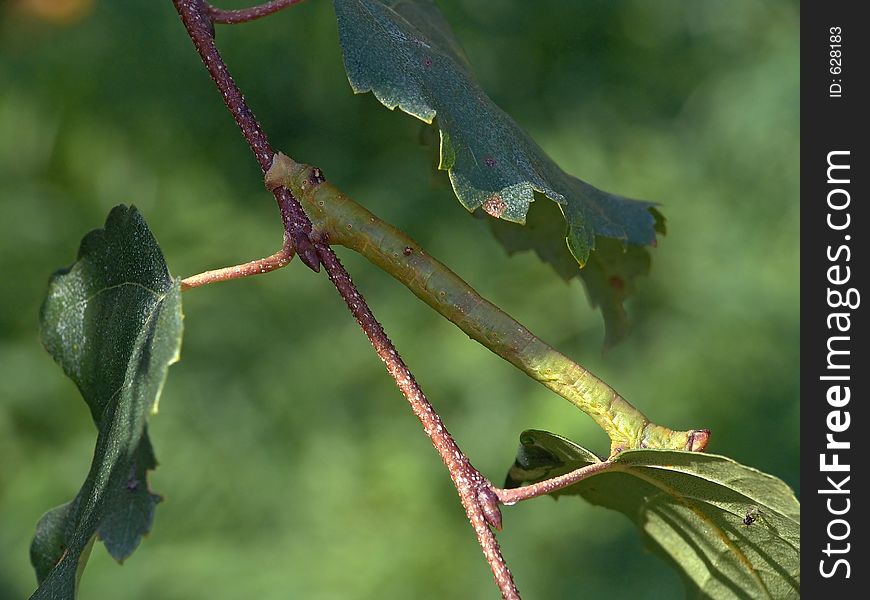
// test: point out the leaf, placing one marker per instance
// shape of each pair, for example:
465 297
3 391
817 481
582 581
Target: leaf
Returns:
405 53
609 275
113 322
732 531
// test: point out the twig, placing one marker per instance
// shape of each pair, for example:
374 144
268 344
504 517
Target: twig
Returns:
256 267
243 15
474 490
548 486
194 15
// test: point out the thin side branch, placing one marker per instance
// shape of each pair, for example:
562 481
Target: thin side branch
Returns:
255 267
243 15
548 486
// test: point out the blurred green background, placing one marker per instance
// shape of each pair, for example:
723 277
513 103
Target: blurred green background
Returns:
290 465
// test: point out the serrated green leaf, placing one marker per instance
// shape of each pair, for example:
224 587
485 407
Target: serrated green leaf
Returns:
113 321
732 531
405 53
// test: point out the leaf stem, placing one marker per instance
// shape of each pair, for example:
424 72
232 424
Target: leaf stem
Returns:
243 15
481 505
548 486
255 267
346 223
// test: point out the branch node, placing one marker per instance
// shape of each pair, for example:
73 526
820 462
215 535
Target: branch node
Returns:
307 253
488 501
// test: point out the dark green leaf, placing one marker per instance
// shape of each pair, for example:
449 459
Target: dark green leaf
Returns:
405 53
732 531
113 322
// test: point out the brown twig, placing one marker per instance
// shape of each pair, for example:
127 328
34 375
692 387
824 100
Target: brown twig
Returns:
548 486
195 17
475 492
256 267
243 15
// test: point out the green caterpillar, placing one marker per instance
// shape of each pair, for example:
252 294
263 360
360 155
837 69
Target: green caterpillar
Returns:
337 219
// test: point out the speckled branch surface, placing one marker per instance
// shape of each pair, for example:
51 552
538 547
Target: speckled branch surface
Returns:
340 220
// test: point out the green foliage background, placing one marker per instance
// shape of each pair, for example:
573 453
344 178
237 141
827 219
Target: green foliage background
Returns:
291 466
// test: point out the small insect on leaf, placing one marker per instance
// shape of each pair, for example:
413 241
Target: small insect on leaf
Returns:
316 176
752 515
